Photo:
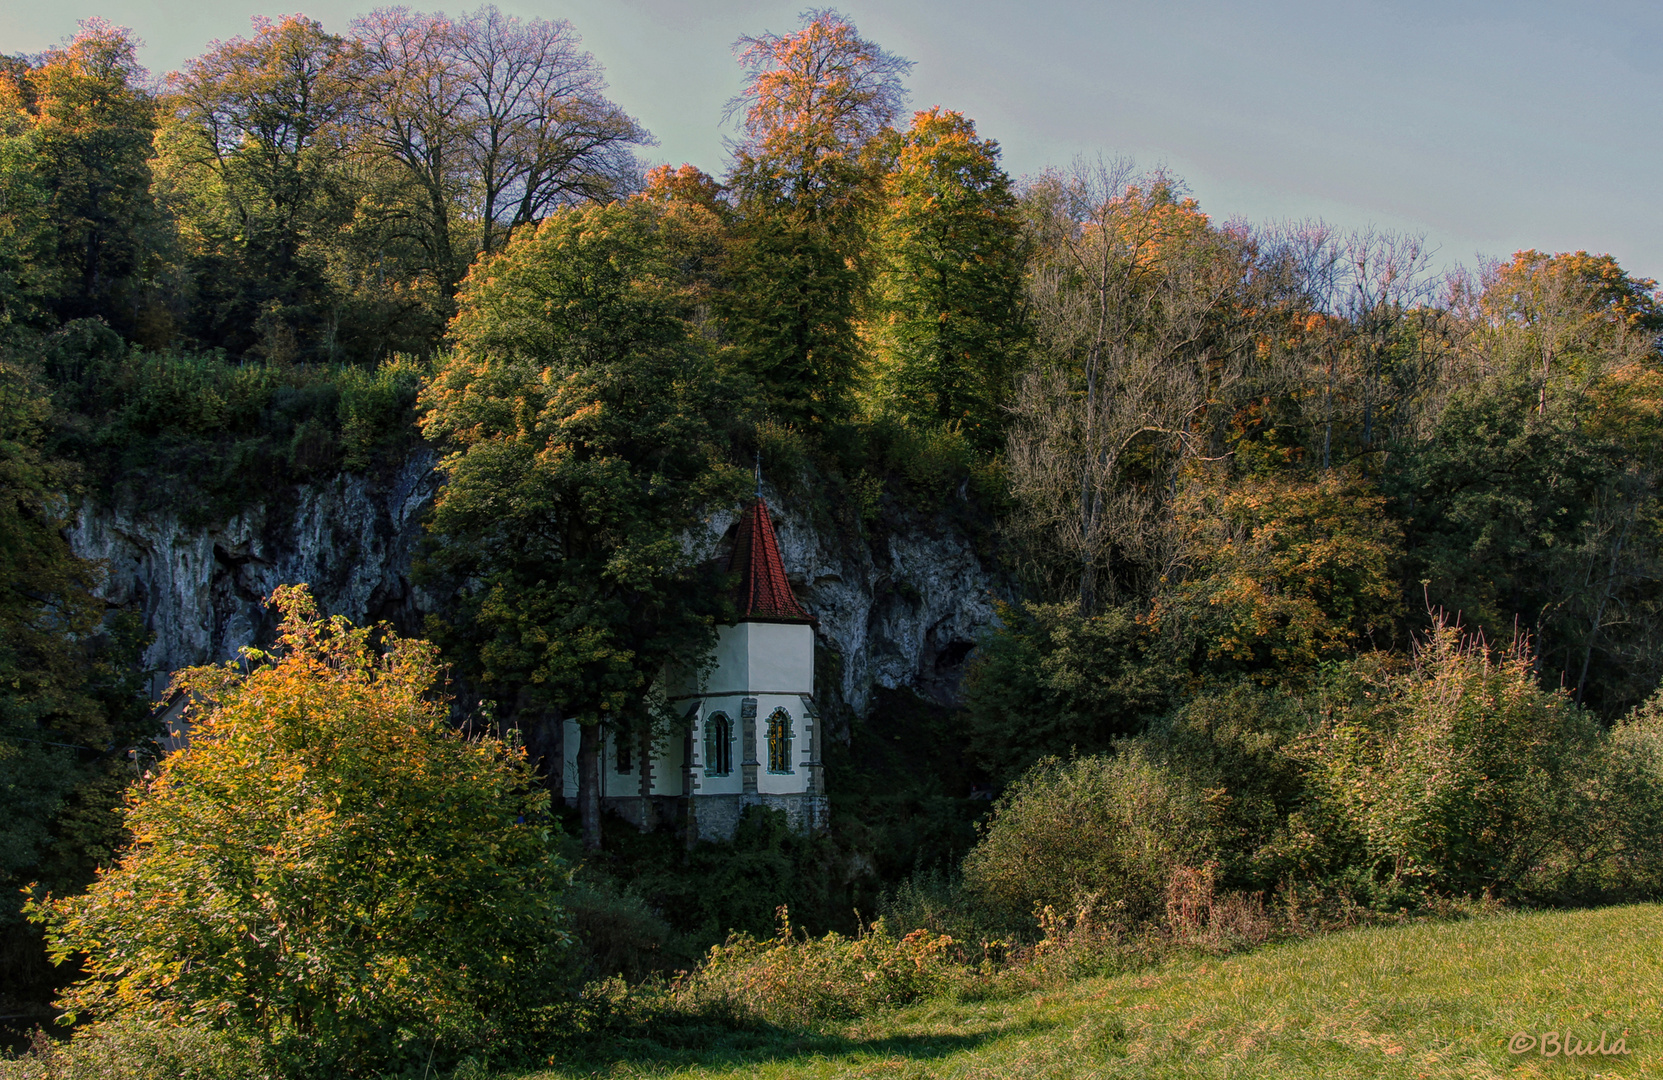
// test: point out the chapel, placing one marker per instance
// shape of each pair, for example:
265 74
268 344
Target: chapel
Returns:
751 735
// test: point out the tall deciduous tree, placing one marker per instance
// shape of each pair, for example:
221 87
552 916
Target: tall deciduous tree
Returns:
1534 502
696 227
583 420
1141 311
947 305
494 121
812 105
26 277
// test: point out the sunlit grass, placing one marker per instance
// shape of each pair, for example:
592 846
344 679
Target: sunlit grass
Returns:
1426 1000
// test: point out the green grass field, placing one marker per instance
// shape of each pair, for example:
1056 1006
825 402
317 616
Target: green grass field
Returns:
1425 1000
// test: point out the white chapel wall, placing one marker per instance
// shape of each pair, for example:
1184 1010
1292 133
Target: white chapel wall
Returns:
781 658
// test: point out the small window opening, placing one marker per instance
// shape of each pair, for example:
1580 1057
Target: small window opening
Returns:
626 762
718 745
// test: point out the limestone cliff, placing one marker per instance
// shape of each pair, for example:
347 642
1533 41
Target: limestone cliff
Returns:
200 588
899 611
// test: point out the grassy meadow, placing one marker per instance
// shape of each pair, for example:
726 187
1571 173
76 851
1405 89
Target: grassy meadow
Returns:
1410 1001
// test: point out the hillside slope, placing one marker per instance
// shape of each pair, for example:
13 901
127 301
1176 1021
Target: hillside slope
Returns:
1425 1000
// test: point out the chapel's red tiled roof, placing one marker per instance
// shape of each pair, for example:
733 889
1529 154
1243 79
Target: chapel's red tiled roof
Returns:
763 593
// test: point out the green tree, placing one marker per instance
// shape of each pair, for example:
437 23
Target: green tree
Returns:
26 278
1051 682
584 429
328 866
1532 499
947 303
254 158
71 702
813 103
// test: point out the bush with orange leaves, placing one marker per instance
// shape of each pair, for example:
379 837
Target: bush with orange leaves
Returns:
328 869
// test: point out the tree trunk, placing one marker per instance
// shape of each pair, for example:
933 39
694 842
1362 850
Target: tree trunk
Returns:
1599 612
589 784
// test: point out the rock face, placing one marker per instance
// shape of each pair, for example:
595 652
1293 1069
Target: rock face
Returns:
201 589
901 612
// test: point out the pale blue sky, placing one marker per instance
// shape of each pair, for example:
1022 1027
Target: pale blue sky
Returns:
1486 126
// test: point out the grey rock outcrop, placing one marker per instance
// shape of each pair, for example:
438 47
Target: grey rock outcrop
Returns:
902 612
201 589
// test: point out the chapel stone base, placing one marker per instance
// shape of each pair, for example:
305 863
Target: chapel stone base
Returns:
716 817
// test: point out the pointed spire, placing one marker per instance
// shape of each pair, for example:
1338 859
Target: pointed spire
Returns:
763 594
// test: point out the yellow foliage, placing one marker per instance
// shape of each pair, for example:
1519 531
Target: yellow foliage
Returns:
1281 572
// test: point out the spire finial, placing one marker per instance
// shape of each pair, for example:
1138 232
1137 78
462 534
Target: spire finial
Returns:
759 473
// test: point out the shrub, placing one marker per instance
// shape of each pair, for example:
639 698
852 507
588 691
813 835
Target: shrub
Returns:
937 901
924 465
328 867
1629 805
375 408
739 885
798 982
131 1050
1462 775
1242 741
1114 827
615 932
785 454
153 426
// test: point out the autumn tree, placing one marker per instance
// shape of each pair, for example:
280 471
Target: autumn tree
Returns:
1384 304
26 276
1277 573
1560 321
947 303
328 866
695 226
813 103
90 124
583 428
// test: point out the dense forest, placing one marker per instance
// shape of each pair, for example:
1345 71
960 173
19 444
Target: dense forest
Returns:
1349 570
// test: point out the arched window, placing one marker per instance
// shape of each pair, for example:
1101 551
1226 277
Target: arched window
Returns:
621 747
779 742
718 745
